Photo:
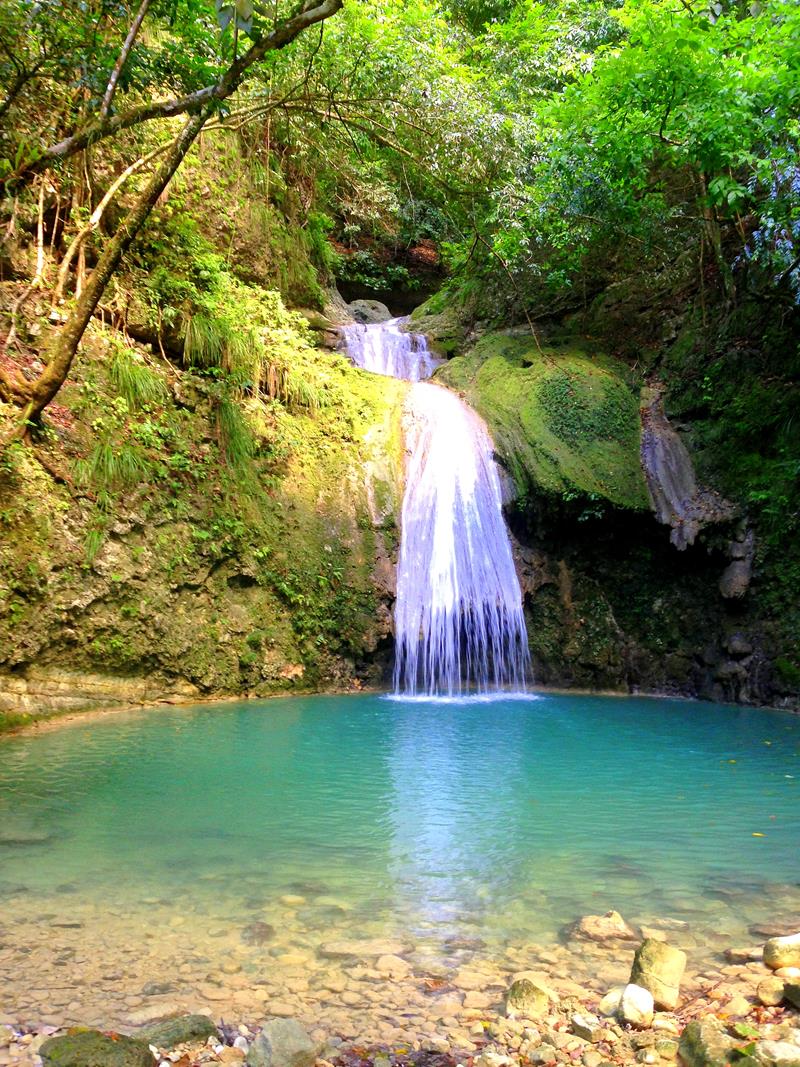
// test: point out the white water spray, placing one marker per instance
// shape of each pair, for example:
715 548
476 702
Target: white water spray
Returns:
459 625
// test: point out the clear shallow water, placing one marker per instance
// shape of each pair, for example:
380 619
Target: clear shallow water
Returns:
502 819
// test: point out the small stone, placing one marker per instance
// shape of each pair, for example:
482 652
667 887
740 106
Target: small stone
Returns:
281 1009
791 993
770 991
636 1006
587 1026
609 1005
790 973
293 900
6 1036
666 1048
647 1055
782 952
282 1043
659 968
738 1006
590 1058
544 1054
524 998
666 1024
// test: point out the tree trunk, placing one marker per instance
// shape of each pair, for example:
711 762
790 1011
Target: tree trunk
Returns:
62 349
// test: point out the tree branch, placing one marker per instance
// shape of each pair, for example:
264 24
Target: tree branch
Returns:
122 58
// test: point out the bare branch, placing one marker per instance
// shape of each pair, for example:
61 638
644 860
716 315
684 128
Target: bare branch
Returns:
122 58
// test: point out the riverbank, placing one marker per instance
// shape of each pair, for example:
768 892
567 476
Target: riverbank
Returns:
371 1002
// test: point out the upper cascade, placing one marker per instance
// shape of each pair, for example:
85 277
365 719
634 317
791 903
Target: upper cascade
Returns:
385 348
459 624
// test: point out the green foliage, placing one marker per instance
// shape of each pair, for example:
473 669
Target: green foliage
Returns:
133 380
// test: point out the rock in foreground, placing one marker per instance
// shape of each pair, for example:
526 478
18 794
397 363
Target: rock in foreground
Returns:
91 1048
282 1043
782 952
658 967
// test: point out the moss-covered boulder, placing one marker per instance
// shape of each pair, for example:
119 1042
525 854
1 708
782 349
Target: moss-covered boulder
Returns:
564 420
172 1032
91 1048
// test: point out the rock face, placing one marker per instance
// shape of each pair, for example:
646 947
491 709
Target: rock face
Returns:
636 1006
282 1043
174 1032
782 952
678 501
658 967
608 927
526 999
90 1048
704 1044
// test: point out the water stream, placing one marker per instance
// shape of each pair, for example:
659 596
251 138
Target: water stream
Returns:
459 625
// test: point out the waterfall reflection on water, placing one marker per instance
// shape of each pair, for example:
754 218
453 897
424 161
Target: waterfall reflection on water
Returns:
459 624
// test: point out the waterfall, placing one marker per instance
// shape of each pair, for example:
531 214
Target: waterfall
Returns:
385 348
459 625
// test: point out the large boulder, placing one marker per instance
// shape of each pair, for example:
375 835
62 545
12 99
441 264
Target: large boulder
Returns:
172 1032
608 927
526 999
282 1043
705 1044
658 967
369 311
91 1048
782 952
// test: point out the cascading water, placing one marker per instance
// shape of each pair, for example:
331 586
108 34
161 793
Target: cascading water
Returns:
459 626
385 348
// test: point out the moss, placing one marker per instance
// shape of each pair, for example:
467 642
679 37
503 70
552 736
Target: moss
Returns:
564 422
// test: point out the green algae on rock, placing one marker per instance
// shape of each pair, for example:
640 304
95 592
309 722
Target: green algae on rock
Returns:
564 421
91 1048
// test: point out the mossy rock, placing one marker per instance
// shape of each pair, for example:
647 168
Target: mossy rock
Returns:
172 1032
564 421
91 1048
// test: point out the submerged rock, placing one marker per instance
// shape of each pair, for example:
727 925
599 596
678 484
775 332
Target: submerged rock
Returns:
658 967
91 1048
282 1043
363 950
174 1032
258 933
782 952
527 999
608 927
